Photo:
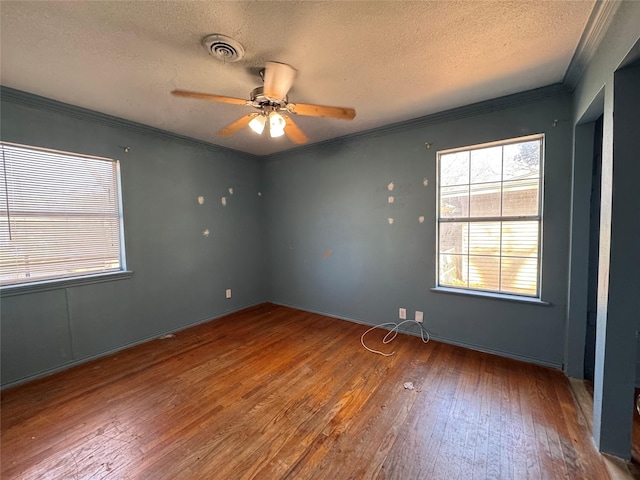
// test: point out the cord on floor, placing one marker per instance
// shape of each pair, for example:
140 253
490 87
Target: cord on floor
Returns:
393 333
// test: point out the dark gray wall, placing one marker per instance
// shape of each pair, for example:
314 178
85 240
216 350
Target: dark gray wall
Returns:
620 37
332 198
617 321
180 276
619 258
583 157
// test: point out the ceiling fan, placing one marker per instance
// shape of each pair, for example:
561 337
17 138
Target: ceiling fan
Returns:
273 105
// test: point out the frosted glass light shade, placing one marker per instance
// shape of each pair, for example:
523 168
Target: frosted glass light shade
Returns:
276 124
257 124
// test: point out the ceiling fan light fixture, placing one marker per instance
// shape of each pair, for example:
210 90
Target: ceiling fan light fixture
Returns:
276 133
258 123
276 124
269 100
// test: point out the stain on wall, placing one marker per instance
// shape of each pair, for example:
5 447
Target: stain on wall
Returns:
338 194
174 271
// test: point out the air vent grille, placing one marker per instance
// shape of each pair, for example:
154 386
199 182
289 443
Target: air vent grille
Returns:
223 48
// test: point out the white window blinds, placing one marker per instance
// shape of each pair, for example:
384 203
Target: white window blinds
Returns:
489 217
60 215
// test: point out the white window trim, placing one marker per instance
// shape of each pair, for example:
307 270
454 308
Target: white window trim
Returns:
516 297
65 282
62 283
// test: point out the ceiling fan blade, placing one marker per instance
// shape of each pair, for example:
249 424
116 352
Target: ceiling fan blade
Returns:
278 79
293 132
343 113
233 127
210 97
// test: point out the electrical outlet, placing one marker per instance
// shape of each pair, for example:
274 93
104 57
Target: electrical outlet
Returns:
228 293
419 316
403 314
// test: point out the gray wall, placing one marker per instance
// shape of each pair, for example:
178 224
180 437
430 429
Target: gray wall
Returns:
619 258
319 238
333 197
622 34
180 276
579 255
617 319
619 303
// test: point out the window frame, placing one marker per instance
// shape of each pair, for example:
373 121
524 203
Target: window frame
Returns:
496 294
81 278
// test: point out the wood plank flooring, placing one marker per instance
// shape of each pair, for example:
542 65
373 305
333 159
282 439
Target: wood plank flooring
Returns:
276 393
617 468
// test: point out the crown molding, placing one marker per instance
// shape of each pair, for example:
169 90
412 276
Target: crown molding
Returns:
19 97
501 103
594 31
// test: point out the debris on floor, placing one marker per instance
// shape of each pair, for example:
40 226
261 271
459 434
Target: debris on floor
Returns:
168 335
408 385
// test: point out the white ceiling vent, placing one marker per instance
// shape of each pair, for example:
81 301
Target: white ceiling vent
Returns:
223 48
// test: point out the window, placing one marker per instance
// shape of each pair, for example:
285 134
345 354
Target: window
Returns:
489 222
60 215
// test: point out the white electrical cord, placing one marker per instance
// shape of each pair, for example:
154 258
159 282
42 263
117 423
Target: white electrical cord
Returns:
393 333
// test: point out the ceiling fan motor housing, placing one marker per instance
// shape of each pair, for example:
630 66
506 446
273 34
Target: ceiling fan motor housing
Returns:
260 100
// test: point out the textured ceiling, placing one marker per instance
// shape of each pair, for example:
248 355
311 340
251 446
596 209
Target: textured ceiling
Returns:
391 61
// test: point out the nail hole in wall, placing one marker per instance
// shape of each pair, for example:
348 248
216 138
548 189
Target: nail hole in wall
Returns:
390 221
224 201
200 200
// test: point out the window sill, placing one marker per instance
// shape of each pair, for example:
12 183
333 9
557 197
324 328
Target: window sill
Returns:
44 286
491 296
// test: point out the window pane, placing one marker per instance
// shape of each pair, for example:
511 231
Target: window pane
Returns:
486 165
453 238
520 197
454 168
454 201
64 215
522 160
520 239
453 270
484 238
485 200
484 273
520 275
489 219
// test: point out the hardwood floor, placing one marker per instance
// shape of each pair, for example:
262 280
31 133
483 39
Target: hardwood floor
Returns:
274 393
618 468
